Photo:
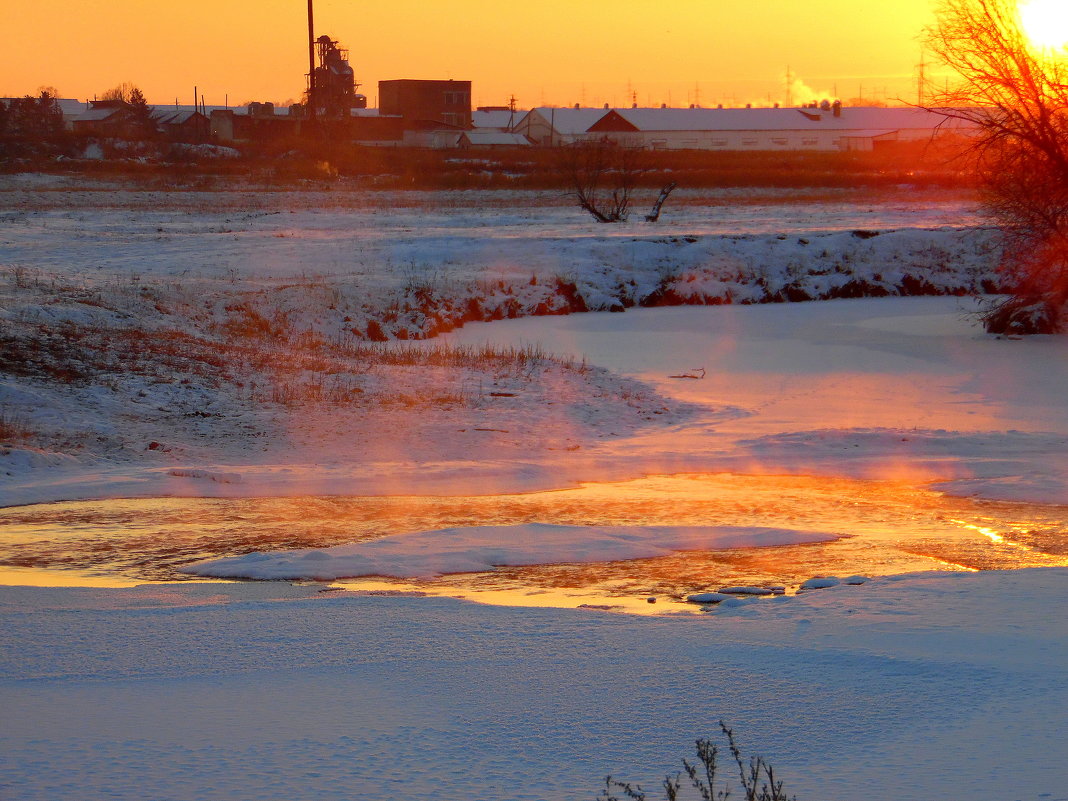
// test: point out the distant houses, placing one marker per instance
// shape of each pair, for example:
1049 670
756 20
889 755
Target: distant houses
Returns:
438 115
117 119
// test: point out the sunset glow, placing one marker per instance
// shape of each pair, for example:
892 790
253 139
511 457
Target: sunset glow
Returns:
1045 22
546 53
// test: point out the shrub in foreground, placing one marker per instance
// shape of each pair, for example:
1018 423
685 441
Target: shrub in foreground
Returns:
756 777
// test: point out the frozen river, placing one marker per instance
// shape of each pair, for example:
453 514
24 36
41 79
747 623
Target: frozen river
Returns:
883 528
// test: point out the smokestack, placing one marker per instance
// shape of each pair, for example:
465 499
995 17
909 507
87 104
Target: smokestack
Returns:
311 62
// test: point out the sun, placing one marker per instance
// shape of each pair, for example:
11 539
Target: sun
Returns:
1045 22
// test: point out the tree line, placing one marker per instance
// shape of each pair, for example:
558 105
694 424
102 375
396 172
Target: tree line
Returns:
32 126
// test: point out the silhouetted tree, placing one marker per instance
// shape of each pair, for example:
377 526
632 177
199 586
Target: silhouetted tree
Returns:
142 121
31 125
121 92
1016 96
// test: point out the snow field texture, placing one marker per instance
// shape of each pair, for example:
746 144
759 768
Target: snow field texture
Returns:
925 687
223 332
922 687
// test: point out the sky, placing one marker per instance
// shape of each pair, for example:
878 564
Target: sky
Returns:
554 52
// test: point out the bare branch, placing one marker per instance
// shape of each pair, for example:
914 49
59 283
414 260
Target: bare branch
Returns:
1016 96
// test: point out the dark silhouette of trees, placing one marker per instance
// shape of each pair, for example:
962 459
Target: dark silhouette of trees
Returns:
121 93
140 125
141 120
32 126
1016 97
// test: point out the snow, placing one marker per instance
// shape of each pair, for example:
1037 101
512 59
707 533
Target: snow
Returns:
150 266
821 583
923 686
928 688
707 597
859 388
479 548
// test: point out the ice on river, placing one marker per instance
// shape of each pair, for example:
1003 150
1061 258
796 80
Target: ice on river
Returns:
478 548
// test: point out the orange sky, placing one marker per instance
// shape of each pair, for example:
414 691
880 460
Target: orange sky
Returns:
547 51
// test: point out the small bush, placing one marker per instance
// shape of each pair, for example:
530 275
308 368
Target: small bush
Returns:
1022 316
756 778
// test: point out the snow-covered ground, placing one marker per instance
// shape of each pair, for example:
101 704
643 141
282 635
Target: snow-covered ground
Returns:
932 686
927 688
208 337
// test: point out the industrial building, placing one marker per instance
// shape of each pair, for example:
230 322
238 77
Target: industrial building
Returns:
437 114
444 102
828 127
332 89
551 126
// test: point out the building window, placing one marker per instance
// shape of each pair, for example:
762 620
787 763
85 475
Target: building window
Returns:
809 142
779 142
749 142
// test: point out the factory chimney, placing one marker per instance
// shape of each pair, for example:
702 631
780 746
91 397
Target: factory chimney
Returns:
311 62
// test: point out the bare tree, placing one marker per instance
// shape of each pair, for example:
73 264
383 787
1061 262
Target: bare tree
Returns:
121 92
1016 97
603 176
654 214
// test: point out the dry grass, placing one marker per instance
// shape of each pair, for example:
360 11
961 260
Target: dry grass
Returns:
13 426
269 363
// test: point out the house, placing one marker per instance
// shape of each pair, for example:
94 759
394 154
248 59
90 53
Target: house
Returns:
105 118
492 139
182 125
546 125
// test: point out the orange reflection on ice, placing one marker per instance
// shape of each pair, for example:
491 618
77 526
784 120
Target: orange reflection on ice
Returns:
888 527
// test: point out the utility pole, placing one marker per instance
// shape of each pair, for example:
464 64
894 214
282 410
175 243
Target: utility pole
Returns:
789 87
311 62
921 79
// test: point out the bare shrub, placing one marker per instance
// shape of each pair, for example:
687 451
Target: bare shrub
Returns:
603 175
756 777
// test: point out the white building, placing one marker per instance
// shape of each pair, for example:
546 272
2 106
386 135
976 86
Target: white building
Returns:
494 139
546 125
826 129
494 119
